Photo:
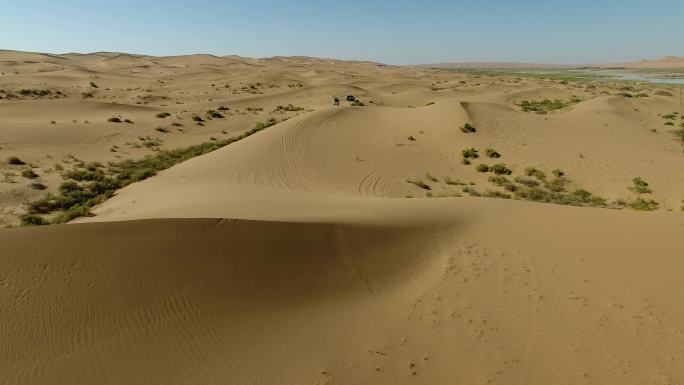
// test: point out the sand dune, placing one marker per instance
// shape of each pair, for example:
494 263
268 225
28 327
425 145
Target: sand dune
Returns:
457 291
307 253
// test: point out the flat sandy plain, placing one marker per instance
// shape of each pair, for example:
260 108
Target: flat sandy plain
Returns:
342 245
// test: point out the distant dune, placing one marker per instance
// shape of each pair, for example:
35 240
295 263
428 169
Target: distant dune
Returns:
436 228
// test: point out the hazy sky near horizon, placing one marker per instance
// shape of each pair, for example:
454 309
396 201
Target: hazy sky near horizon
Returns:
395 32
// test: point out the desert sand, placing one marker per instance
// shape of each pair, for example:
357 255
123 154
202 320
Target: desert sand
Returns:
307 253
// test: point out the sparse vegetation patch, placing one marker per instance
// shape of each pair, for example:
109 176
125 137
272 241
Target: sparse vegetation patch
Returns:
87 185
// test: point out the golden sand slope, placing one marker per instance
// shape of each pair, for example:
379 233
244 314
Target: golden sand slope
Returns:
436 291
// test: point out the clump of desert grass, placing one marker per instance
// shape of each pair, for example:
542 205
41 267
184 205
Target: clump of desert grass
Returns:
287 108
420 184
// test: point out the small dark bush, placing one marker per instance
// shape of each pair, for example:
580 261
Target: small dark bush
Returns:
482 167
32 220
492 153
15 161
38 186
420 184
214 114
114 119
163 115
468 128
29 174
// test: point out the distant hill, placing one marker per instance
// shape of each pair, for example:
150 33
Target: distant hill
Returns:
665 62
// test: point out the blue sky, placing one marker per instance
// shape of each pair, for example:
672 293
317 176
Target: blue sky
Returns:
395 32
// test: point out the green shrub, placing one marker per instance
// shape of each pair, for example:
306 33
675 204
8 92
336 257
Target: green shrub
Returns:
29 174
471 191
496 194
671 116
492 153
214 114
15 161
32 220
545 105
527 181
640 186
163 115
468 128
532 171
289 107
162 129
500 169
452 182
357 103
482 167
114 119
663 93
470 153
556 184
465 161
680 135
644 205
499 180
502 181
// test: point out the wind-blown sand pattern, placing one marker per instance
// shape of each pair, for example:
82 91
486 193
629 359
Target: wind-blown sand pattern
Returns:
294 255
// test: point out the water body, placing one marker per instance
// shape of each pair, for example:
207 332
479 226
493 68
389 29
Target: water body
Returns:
655 77
641 77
